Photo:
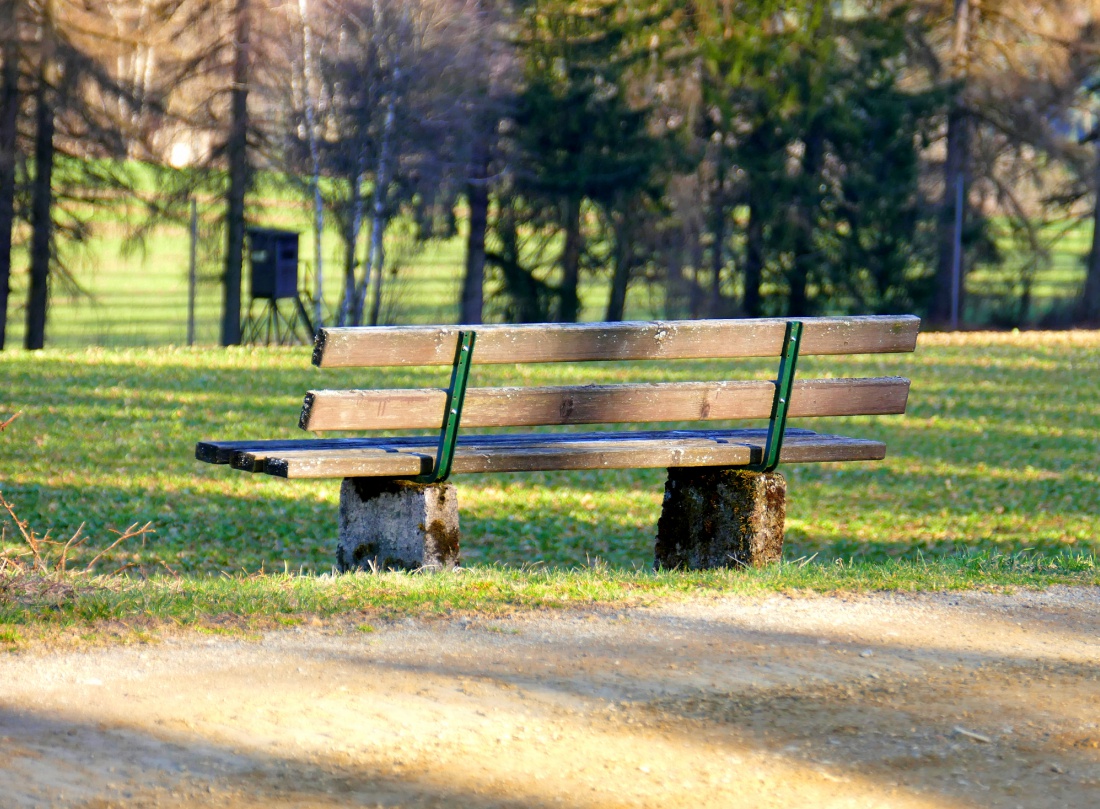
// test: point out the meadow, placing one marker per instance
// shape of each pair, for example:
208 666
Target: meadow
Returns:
997 453
990 476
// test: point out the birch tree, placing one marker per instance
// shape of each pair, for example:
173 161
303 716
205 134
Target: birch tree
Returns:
394 82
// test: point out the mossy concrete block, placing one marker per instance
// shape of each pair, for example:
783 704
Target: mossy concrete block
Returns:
397 525
719 517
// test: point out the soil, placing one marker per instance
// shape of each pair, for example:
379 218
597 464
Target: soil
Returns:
934 700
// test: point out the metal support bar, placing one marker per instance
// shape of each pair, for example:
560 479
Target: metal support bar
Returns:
452 414
792 337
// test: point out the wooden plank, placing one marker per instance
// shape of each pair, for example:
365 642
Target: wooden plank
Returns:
599 404
577 342
601 451
251 456
222 452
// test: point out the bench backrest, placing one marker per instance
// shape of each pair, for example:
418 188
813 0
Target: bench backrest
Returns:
392 409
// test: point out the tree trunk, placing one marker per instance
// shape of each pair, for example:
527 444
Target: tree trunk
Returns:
1088 306
697 258
376 255
798 301
676 281
716 306
351 244
717 261
624 266
951 218
348 315
9 117
754 260
529 296
571 262
380 220
315 165
237 156
477 195
954 177
42 196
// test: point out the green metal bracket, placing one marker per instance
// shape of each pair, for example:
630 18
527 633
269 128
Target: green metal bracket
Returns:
781 402
452 413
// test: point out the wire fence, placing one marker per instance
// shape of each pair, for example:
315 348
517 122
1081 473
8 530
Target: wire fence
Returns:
142 300
118 300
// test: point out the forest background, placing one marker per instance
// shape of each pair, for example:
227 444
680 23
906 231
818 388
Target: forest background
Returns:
549 160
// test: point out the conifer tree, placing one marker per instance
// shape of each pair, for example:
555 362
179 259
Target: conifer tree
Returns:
579 137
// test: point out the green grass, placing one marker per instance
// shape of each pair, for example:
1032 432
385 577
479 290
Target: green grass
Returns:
991 480
229 603
996 454
993 292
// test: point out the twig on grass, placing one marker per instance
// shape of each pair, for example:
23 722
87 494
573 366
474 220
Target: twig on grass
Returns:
39 548
129 533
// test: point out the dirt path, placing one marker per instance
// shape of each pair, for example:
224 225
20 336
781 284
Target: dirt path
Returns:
972 700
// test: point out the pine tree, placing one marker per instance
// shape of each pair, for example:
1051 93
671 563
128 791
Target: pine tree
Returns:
579 138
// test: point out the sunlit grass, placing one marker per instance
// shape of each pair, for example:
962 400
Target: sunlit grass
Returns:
997 454
281 599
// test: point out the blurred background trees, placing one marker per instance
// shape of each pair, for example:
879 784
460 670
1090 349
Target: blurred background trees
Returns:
728 158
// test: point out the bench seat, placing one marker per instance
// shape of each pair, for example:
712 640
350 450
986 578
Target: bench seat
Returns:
413 455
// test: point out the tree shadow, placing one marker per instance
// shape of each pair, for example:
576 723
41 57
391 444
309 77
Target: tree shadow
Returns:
685 696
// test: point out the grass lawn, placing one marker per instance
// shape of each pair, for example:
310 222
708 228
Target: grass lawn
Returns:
991 477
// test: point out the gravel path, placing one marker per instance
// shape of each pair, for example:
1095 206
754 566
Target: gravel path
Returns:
957 700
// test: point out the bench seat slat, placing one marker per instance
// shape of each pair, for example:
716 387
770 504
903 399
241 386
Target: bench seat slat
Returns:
599 404
251 455
577 342
412 455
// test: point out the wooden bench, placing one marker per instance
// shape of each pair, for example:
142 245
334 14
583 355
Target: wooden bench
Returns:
724 504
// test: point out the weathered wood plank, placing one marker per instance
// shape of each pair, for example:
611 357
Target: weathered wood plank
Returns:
576 342
226 452
251 456
546 452
599 404
222 452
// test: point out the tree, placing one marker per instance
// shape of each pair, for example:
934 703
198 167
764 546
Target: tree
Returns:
64 75
69 116
41 252
236 153
579 137
947 303
205 97
811 169
1005 66
491 77
1084 94
10 107
309 104
395 79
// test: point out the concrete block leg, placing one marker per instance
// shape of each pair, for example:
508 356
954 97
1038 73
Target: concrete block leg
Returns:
718 517
397 525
